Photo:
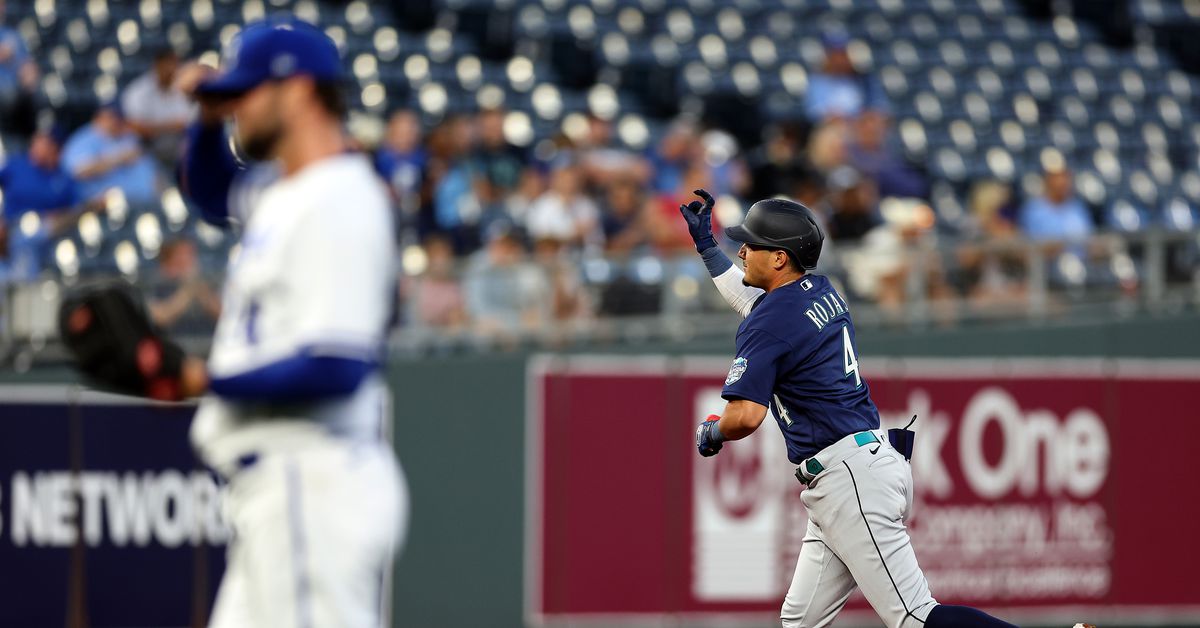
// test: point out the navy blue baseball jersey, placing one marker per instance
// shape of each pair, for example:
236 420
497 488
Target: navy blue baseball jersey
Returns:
795 354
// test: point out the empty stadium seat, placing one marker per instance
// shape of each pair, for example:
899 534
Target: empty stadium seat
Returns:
976 87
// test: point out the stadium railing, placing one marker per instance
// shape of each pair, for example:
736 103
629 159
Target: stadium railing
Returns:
583 300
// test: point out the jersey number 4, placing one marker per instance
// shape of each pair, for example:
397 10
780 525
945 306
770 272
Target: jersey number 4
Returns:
849 360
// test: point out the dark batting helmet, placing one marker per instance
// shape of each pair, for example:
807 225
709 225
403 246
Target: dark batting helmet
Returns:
778 223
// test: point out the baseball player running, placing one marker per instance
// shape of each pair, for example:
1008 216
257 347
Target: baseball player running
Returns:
796 354
294 408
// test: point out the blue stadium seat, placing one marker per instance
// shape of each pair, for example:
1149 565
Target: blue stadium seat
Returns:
1180 214
1123 215
953 70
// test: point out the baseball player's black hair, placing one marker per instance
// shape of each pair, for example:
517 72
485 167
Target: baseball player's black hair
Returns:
793 263
164 52
329 93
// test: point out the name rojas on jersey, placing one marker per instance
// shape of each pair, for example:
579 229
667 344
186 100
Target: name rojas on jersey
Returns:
825 308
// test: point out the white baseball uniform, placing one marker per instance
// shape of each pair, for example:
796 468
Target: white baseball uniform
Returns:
317 501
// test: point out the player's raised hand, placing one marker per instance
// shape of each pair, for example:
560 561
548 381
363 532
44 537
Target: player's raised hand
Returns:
698 215
708 437
190 75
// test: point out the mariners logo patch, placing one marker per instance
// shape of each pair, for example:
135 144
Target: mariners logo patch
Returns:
736 371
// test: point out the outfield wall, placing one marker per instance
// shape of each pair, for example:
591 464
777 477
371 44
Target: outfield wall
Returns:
464 450
462 432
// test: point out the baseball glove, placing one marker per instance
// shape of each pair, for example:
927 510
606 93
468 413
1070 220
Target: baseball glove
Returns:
109 334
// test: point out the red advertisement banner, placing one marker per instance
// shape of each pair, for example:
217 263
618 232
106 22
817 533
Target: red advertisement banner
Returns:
1044 489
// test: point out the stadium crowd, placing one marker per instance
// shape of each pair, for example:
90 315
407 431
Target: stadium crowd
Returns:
495 237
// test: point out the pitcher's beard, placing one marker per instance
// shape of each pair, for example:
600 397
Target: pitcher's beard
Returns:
260 147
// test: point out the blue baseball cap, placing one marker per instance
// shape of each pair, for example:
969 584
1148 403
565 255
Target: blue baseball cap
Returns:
113 105
272 50
835 39
57 132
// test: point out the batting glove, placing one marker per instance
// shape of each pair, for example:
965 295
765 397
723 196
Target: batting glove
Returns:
709 437
699 220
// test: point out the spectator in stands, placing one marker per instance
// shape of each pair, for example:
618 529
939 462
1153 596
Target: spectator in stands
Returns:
623 216
853 205
36 183
668 233
497 166
533 185
838 90
882 263
603 160
401 161
564 212
991 264
456 208
727 172
829 146
566 302
870 154
1057 215
106 154
673 154
497 162
436 294
505 296
807 187
778 162
182 296
156 109
18 80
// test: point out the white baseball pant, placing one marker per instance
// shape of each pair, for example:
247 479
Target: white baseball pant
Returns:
315 533
857 507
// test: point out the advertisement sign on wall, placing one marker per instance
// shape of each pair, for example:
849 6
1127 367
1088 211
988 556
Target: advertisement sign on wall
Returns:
1044 489
106 517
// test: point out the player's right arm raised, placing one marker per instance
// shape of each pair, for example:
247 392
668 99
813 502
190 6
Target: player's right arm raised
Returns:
207 167
725 275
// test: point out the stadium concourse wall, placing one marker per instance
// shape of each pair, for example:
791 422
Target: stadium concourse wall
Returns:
481 553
